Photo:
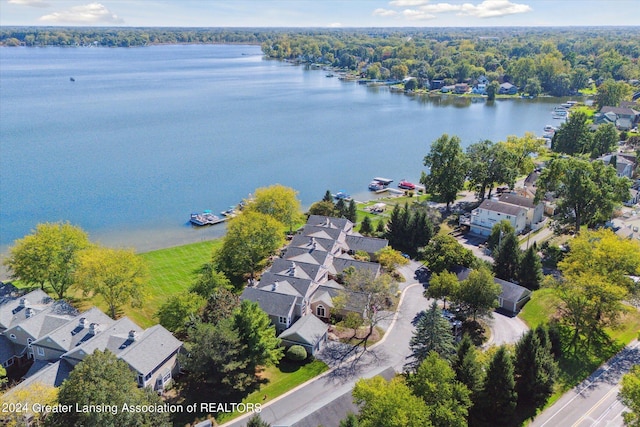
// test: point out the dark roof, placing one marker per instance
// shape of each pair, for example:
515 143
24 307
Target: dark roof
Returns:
618 110
505 208
461 272
313 243
368 244
341 264
301 270
273 303
308 256
514 199
511 291
325 221
301 286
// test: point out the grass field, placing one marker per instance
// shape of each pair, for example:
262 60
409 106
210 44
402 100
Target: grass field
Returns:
172 270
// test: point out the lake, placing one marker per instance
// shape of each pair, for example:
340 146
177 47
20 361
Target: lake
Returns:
145 136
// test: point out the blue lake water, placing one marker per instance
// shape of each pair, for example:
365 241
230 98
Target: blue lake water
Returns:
145 136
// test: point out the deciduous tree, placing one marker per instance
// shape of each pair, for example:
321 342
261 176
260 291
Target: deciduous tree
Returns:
389 404
262 347
180 311
48 256
251 238
119 276
25 398
103 379
478 294
630 396
587 192
277 201
442 285
574 136
444 252
447 168
447 399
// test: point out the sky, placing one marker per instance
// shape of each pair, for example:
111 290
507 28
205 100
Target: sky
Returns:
319 13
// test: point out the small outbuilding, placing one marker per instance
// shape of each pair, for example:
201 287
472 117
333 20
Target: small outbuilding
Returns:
309 332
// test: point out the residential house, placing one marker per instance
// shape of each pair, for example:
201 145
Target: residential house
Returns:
480 89
490 212
517 208
512 296
624 163
436 84
483 80
309 332
461 88
507 89
52 337
304 281
625 118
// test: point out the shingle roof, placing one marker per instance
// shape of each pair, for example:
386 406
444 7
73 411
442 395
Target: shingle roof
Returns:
6 349
310 257
504 208
514 199
511 291
114 338
341 264
368 244
331 222
273 303
12 313
307 330
41 323
149 351
301 270
72 333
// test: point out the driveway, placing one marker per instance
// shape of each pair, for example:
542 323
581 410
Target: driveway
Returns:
505 329
390 353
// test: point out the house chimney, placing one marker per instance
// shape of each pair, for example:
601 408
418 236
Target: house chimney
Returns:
94 328
274 286
23 302
29 312
132 335
292 269
82 322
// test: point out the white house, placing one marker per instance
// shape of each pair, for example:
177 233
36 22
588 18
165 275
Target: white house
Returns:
490 212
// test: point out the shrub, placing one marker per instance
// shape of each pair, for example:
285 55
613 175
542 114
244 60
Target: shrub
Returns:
296 353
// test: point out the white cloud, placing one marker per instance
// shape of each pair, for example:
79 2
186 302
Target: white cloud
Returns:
493 8
408 3
423 9
384 12
32 3
335 25
93 13
417 15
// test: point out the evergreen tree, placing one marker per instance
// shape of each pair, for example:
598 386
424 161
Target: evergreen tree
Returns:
341 209
256 421
433 333
499 230
467 367
380 227
506 258
534 369
497 401
530 272
366 227
327 197
351 213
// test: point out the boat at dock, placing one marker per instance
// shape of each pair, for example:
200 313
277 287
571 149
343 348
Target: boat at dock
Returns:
342 195
205 218
406 185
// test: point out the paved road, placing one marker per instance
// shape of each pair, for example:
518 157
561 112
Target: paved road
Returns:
594 402
389 353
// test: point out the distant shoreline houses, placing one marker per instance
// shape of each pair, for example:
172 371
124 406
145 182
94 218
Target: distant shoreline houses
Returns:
49 338
298 292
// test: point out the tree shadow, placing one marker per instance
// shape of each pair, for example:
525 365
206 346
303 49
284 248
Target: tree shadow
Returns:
475 330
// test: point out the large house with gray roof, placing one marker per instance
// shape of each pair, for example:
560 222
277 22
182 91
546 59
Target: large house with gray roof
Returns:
53 338
520 211
304 280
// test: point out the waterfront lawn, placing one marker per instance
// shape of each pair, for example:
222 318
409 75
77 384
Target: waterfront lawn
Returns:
172 270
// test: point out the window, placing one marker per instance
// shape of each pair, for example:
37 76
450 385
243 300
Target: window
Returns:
12 336
40 351
320 311
29 341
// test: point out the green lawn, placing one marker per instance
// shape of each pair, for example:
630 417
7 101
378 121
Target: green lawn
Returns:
280 379
172 270
575 368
